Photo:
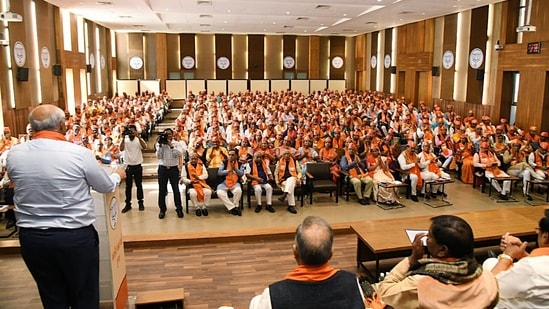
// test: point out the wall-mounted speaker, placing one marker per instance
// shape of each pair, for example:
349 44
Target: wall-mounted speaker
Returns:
88 68
480 74
393 70
435 71
22 74
56 70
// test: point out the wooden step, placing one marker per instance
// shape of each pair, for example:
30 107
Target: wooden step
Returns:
172 296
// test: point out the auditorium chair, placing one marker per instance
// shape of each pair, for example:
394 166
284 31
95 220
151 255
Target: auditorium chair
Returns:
321 180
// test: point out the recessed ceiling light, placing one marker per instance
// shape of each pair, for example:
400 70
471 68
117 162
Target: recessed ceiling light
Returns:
228 11
224 21
287 13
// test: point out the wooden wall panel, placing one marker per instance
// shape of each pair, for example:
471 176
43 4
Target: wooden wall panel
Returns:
302 55
314 48
373 71
159 59
530 98
256 56
324 57
511 18
273 61
135 48
187 48
240 60
289 50
173 59
478 38
122 56
223 48
387 51
18 32
149 56
449 43
45 18
337 48
205 56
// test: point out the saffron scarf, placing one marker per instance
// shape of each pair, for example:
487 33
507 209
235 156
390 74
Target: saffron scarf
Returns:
488 159
255 171
357 171
49 135
282 169
433 167
312 273
198 184
412 158
232 178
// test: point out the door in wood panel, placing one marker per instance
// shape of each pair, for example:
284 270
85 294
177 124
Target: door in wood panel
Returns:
509 95
401 83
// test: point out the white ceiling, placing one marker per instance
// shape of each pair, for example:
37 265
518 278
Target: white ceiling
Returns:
301 17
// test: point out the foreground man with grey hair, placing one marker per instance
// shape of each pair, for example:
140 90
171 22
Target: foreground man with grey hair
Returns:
55 211
313 283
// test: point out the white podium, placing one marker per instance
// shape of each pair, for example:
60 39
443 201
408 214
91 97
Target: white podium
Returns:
113 286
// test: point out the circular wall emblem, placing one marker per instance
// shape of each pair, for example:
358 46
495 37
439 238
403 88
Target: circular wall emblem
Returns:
102 62
92 61
136 62
387 61
45 57
447 59
19 54
337 62
373 62
187 62
476 57
223 63
288 62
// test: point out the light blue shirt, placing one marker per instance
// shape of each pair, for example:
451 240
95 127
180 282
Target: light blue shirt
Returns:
52 181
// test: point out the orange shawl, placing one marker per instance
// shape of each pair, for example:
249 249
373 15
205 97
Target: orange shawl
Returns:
412 158
433 167
255 171
232 178
357 171
282 168
198 184
488 159
312 273
539 162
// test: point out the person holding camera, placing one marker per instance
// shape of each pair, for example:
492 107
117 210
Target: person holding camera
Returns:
133 145
168 152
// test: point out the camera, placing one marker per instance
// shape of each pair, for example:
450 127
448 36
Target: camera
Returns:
127 131
163 138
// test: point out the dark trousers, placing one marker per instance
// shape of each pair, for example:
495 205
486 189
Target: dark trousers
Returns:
171 174
134 173
65 265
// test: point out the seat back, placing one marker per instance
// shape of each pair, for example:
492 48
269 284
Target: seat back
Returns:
319 170
212 177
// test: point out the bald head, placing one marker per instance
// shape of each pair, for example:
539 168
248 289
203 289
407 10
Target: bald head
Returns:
313 240
47 117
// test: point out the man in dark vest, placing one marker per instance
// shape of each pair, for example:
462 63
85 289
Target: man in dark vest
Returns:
313 283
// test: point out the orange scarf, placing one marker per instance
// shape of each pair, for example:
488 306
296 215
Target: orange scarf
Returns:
357 171
282 168
488 159
198 184
255 171
539 162
433 167
412 158
373 160
232 178
312 273
49 135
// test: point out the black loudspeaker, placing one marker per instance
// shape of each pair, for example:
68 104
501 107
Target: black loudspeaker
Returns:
480 74
57 70
22 74
88 68
435 71
393 70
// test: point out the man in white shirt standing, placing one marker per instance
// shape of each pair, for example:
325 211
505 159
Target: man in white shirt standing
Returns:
133 145
55 211
168 152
